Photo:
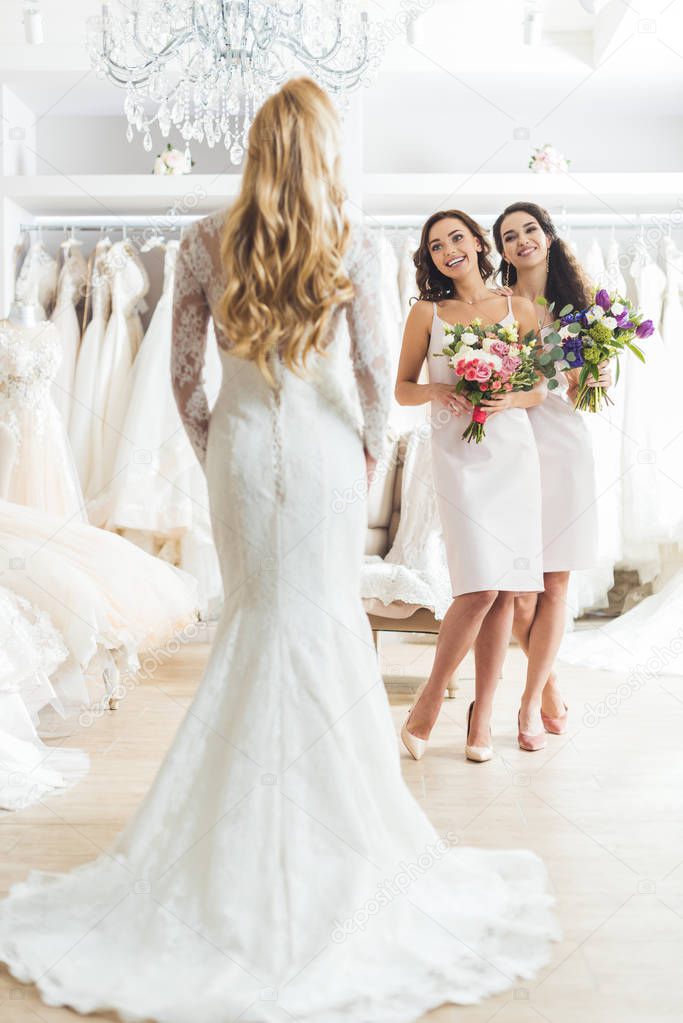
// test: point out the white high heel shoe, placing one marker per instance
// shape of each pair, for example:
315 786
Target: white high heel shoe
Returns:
477 753
413 743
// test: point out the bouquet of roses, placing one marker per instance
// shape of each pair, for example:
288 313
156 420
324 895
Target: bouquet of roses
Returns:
597 334
489 361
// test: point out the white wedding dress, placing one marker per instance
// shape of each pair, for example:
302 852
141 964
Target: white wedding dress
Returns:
70 292
129 284
84 425
39 469
31 650
261 878
36 284
109 600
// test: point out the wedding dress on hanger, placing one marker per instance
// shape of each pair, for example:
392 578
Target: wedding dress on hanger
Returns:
594 264
42 473
107 598
650 500
36 284
84 427
589 588
236 889
31 650
70 291
129 284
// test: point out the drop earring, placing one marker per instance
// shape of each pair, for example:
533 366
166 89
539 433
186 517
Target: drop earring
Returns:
547 260
506 275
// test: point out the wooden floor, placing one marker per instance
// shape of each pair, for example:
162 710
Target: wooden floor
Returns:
603 806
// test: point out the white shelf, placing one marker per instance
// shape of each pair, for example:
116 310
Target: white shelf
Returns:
115 194
489 193
383 194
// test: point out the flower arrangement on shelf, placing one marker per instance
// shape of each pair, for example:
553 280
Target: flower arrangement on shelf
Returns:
548 160
172 161
488 361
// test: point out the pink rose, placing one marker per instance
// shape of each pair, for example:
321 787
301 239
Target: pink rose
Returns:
471 372
483 372
460 367
500 348
496 385
511 363
507 387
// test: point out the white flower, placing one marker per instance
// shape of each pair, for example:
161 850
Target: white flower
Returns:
493 360
596 312
175 161
609 322
565 332
515 349
467 353
618 308
468 338
160 166
487 342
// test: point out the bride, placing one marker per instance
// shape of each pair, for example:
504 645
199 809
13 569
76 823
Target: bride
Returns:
279 867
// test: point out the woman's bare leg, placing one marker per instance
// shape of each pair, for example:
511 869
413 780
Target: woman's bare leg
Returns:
545 636
490 649
457 634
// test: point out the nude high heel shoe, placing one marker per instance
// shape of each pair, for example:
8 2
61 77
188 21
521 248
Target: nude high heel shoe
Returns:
477 753
557 725
527 741
413 743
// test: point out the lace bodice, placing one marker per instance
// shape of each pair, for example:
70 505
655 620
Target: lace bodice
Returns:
198 289
37 280
100 283
129 280
73 276
29 360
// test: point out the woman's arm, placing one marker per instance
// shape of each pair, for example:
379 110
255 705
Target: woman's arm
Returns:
190 322
413 351
370 353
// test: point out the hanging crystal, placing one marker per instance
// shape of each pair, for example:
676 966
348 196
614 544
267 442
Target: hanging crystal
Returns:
129 132
147 141
201 63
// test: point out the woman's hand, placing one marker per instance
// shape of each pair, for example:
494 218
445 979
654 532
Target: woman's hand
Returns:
502 290
604 379
444 394
501 402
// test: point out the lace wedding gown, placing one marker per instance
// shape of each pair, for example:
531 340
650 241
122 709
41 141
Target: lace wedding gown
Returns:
107 598
70 291
37 281
264 876
84 425
31 649
129 284
39 470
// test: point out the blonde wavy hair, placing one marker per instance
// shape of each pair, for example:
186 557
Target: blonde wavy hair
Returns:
285 237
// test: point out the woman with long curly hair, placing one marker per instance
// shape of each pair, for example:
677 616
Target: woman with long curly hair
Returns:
536 263
488 494
255 881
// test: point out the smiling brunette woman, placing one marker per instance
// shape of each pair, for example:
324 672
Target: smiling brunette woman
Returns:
489 494
537 263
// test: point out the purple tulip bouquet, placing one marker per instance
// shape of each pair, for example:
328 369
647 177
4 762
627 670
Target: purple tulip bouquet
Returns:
597 334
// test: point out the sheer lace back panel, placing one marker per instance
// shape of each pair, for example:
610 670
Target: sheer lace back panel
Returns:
198 290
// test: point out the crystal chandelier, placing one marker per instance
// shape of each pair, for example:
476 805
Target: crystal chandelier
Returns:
205 66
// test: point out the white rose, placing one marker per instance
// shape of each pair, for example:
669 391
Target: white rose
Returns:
486 343
493 360
469 339
159 166
467 354
175 161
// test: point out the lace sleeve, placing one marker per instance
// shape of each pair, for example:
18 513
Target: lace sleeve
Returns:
190 322
369 347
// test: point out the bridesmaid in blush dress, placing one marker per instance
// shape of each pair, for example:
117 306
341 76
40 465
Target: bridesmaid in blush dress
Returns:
536 262
489 494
